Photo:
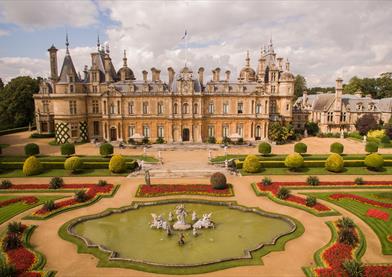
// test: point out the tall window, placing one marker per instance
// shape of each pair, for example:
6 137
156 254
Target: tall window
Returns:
272 89
240 107
175 108
74 130
161 132
273 106
95 89
130 108
94 76
258 108
111 110
160 108
146 131
145 107
118 107
225 108
330 116
45 106
287 107
211 108
131 130
95 106
225 131
96 128
185 108
104 107
72 107
240 129
71 88
211 131
195 108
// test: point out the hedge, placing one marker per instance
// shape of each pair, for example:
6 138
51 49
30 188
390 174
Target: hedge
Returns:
67 149
16 130
38 135
337 148
60 165
31 149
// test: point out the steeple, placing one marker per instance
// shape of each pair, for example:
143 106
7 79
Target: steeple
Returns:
270 46
66 43
98 43
247 60
125 58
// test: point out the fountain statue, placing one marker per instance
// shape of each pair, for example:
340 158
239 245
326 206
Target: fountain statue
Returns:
169 231
170 216
158 222
204 222
181 214
194 216
194 232
181 240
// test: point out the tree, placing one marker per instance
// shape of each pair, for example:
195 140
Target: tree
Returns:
1 84
312 128
16 102
353 85
315 90
299 86
280 133
366 123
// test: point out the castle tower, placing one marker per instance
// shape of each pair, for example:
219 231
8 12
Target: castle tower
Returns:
338 101
53 62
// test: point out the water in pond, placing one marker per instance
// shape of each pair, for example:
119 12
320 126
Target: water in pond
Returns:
130 235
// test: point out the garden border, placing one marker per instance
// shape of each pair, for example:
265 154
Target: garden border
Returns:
200 193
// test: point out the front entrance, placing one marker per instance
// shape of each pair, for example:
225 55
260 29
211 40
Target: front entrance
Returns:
185 134
113 134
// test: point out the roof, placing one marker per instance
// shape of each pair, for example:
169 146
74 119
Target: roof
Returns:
68 69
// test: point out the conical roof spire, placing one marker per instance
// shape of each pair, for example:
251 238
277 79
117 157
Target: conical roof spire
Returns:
125 58
66 43
247 60
98 43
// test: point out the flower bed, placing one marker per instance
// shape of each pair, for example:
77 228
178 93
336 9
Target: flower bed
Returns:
26 199
27 262
378 214
198 189
334 184
297 200
338 196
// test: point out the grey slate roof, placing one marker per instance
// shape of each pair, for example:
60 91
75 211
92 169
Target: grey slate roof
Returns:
67 69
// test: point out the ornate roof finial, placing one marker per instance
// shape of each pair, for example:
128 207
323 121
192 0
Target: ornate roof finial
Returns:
98 42
66 43
125 58
247 60
107 48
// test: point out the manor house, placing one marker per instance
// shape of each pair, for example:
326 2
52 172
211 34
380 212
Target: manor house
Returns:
108 104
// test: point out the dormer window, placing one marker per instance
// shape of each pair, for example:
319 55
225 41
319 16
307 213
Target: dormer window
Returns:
372 107
70 79
359 107
71 88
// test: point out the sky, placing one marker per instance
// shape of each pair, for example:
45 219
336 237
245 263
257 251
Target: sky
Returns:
323 40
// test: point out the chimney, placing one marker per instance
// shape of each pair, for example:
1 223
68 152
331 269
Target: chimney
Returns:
338 94
216 73
53 62
157 74
304 97
171 76
227 73
154 77
280 63
201 75
144 72
108 78
85 71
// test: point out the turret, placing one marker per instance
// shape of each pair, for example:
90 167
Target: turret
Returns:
201 75
338 94
53 63
171 73
261 69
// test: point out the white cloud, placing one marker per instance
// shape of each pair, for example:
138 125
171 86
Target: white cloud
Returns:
3 32
48 14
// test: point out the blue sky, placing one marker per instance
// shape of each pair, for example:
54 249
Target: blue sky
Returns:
323 40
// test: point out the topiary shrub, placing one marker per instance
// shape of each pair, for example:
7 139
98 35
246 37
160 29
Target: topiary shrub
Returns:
334 163
81 196
347 236
11 241
359 181
251 164
311 201
294 161
283 193
49 205
313 180
56 182
117 164
102 183
265 148
266 181
106 149
218 180
353 268
5 184
300 148
374 161
337 148
345 223
31 149
15 228
32 166
75 164
371 147
67 149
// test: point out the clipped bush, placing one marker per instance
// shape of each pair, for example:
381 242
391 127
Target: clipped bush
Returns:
374 161
283 193
218 180
313 180
311 201
67 149
32 166
337 148
371 147
117 164
31 149
81 196
75 164
5 184
56 182
102 183
49 205
266 181
359 181
265 148
294 161
334 163
251 164
300 148
106 149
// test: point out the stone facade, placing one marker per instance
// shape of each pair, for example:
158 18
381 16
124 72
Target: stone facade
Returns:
111 105
336 112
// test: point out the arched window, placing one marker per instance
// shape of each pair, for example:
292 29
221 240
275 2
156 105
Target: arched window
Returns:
175 108
185 108
160 108
258 108
195 108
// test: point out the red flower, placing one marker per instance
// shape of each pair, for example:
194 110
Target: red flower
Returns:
21 258
27 199
158 190
378 214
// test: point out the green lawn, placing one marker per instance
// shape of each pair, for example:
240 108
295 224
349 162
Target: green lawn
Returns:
380 227
14 209
319 171
62 173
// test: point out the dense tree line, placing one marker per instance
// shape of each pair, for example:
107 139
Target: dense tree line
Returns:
16 102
